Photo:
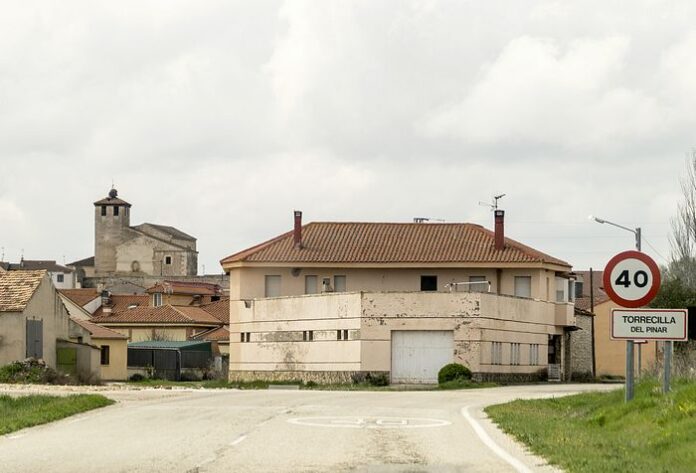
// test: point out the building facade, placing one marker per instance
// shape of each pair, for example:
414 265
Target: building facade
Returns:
142 250
328 301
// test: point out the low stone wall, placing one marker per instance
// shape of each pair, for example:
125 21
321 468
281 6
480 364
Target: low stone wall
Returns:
319 377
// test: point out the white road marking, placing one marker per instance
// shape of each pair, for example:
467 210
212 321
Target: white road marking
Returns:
354 422
238 441
490 443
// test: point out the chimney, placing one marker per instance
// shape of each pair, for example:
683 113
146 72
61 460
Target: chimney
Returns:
297 234
499 229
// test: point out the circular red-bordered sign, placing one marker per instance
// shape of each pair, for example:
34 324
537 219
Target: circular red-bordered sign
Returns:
631 279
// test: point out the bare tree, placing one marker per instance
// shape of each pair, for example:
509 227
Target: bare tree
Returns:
683 238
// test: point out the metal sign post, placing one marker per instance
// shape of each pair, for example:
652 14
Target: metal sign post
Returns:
668 325
631 279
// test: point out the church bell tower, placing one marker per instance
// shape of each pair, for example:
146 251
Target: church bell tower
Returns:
111 223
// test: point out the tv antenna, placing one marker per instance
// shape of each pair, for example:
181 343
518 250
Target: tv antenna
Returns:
494 204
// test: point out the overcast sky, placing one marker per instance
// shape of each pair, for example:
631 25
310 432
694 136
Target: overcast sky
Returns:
221 117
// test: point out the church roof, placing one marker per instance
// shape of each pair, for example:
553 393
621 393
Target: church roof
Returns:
171 231
112 199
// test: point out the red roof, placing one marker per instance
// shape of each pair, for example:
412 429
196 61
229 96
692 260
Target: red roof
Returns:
346 242
81 296
220 334
162 314
97 331
121 302
219 309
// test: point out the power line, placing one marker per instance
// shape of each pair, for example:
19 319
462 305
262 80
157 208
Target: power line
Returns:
656 252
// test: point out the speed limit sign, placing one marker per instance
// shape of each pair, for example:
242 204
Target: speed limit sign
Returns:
631 279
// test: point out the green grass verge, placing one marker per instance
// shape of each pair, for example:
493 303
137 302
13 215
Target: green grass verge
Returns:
600 432
222 384
25 411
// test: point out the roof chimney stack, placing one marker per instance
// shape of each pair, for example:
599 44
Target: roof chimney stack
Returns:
297 234
499 229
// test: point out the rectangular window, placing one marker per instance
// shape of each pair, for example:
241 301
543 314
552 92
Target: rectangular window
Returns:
60 278
339 283
241 337
341 334
157 299
105 354
523 286
272 288
248 337
534 354
561 286
514 353
578 289
496 353
310 284
307 335
480 284
103 210
428 283
167 259
116 210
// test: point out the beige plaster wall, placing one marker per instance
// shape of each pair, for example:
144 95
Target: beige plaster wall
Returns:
117 369
610 355
249 282
140 334
46 305
12 337
276 327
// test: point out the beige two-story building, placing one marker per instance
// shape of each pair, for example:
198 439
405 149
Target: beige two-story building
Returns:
331 301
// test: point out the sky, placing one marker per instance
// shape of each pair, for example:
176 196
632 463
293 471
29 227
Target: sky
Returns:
221 117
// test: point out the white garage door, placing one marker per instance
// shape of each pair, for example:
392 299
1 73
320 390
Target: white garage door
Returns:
418 355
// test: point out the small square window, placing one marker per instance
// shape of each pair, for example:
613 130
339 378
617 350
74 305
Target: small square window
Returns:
428 283
167 259
60 278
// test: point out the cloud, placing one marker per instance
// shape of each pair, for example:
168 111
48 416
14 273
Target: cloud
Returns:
539 92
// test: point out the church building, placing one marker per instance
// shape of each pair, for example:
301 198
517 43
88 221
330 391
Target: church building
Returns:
142 250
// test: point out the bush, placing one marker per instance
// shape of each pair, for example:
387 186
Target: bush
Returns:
32 371
373 379
137 377
452 372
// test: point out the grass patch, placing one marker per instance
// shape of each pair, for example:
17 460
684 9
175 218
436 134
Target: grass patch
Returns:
599 432
26 411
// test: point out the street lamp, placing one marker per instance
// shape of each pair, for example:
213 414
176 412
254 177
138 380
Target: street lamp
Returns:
629 345
636 231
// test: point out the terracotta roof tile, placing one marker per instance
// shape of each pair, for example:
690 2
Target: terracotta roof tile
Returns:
346 242
162 314
97 331
219 309
220 334
122 302
17 288
81 296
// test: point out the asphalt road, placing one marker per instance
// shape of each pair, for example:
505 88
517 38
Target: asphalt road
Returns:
280 431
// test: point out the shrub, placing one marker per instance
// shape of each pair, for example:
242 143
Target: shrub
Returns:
137 377
377 379
32 371
453 371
